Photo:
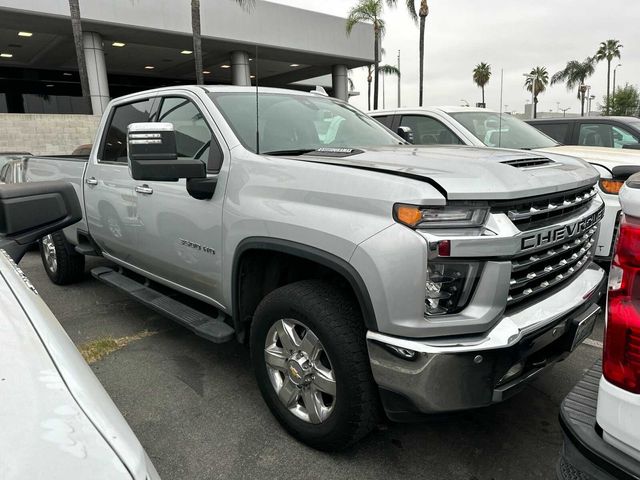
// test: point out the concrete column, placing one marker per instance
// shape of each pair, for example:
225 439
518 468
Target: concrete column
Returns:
340 82
96 71
240 71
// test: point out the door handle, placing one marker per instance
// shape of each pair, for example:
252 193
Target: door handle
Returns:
144 189
91 181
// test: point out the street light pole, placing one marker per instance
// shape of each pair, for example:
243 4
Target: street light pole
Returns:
399 78
533 92
564 111
614 80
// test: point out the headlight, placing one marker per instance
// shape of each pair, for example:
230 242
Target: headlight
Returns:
449 286
610 186
440 217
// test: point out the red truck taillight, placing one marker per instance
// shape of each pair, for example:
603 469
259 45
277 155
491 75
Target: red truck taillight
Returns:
621 363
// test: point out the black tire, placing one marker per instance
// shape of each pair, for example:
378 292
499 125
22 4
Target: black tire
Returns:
69 265
336 321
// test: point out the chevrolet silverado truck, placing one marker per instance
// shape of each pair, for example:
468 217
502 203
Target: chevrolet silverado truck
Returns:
483 127
366 274
600 415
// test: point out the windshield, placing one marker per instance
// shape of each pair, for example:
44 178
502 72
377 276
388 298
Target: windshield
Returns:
290 122
504 131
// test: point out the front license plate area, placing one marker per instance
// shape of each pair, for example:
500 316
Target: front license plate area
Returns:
582 327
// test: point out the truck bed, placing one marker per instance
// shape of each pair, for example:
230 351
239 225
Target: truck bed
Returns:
69 168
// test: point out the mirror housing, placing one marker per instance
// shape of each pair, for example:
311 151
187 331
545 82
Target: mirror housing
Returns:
29 211
152 154
406 134
632 146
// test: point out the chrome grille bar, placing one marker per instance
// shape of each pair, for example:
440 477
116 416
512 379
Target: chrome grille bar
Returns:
533 211
543 270
540 257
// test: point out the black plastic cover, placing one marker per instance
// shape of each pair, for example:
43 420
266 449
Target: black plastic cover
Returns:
29 211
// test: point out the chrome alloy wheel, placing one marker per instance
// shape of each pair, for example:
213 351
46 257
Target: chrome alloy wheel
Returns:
49 249
300 371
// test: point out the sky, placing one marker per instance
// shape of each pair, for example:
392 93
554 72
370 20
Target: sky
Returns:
510 35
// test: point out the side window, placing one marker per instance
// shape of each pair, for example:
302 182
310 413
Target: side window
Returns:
622 137
193 136
385 120
557 131
604 135
114 143
429 131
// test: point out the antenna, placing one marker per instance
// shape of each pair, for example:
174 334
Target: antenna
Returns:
500 118
257 105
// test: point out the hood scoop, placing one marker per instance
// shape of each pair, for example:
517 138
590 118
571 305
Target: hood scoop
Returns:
529 162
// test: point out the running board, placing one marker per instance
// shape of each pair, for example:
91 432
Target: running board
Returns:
203 325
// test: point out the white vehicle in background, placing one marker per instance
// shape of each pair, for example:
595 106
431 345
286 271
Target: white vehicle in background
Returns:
57 420
600 418
482 127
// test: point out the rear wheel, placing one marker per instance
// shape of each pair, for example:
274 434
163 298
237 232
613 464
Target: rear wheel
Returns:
310 360
62 264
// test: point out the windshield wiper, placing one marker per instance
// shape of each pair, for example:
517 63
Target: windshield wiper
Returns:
293 152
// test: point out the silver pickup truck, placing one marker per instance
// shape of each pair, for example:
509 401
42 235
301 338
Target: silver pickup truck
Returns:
363 272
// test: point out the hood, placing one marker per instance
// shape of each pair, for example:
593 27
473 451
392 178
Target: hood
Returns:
44 429
605 157
56 413
470 173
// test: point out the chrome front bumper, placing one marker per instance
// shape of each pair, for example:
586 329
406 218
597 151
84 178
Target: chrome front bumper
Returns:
450 374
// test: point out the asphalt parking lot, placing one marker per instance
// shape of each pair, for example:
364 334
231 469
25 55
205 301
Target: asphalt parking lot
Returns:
198 412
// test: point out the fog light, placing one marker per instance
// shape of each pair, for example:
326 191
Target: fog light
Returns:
403 353
449 286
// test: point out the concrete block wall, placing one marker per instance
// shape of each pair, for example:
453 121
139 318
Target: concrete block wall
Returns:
46 134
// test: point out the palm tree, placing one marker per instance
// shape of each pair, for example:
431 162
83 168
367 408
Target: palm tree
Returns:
481 76
416 14
76 27
197 36
574 75
541 77
388 70
370 11
608 51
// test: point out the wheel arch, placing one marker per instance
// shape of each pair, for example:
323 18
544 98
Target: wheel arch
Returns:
242 309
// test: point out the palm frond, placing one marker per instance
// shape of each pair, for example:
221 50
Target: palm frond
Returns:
389 70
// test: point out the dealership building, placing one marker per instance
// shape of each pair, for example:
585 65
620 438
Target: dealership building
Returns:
132 45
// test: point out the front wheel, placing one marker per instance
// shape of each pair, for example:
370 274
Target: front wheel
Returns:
62 264
310 359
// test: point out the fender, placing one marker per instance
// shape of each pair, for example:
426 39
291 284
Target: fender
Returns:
306 252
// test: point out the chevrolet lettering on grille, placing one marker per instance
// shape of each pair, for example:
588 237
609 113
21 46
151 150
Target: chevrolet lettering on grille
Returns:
557 234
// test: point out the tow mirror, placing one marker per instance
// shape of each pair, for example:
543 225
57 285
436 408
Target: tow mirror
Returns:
153 155
29 211
406 134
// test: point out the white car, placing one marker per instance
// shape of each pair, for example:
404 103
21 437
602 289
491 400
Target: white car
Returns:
57 420
483 127
601 416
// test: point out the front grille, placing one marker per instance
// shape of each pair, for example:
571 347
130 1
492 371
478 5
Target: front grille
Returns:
538 272
534 212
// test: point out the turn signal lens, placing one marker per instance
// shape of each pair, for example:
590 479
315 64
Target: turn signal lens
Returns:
612 187
408 215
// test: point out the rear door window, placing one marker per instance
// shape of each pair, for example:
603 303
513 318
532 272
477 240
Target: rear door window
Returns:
557 131
429 131
114 143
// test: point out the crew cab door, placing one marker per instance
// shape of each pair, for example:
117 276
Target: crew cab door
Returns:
181 236
110 202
